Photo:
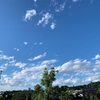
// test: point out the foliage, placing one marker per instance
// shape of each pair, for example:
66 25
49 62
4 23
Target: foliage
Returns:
22 95
38 93
46 91
1 98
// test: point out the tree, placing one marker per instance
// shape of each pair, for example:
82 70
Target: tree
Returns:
1 98
21 95
47 81
37 88
38 93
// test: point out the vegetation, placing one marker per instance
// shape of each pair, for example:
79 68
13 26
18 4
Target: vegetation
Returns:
46 91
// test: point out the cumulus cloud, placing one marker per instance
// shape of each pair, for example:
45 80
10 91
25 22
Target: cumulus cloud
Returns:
69 81
78 72
97 65
75 0
52 25
47 62
25 43
35 0
26 75
45 19
40 43
53 7
5 57
1 51
73 72
16 49
29 14
20 65
74 65
96 57
36 43
4 66
61 7
11 82
37 57
31 73
93 77
6 61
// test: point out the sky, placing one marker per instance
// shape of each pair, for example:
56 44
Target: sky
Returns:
38 34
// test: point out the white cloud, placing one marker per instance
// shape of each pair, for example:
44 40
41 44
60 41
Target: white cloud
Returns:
48 13
26 76
35 43
37 57
74 65
29 14
75 0
52 25
45 19
5 87
4 66
47 62
96 57
70 81
35 0
12 62
93 77
25 43
5 57
61 7
29 73
34 72
97 65
1 51
6 61
73 72
16 49
40 43
20 65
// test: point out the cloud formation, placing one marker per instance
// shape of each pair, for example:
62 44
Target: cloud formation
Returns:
1 51
45 19
36 43
75 0
47 14
61 7
96 57
29 14
20 65
73 72
74 65
35 0
25 43
53 25
5 57
16 49
37 57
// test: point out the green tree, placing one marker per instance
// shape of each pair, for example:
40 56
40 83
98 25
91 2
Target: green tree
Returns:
38 93
21 95
38 88
1 98
47 81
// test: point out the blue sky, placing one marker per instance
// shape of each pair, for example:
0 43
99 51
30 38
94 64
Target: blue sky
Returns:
40 34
